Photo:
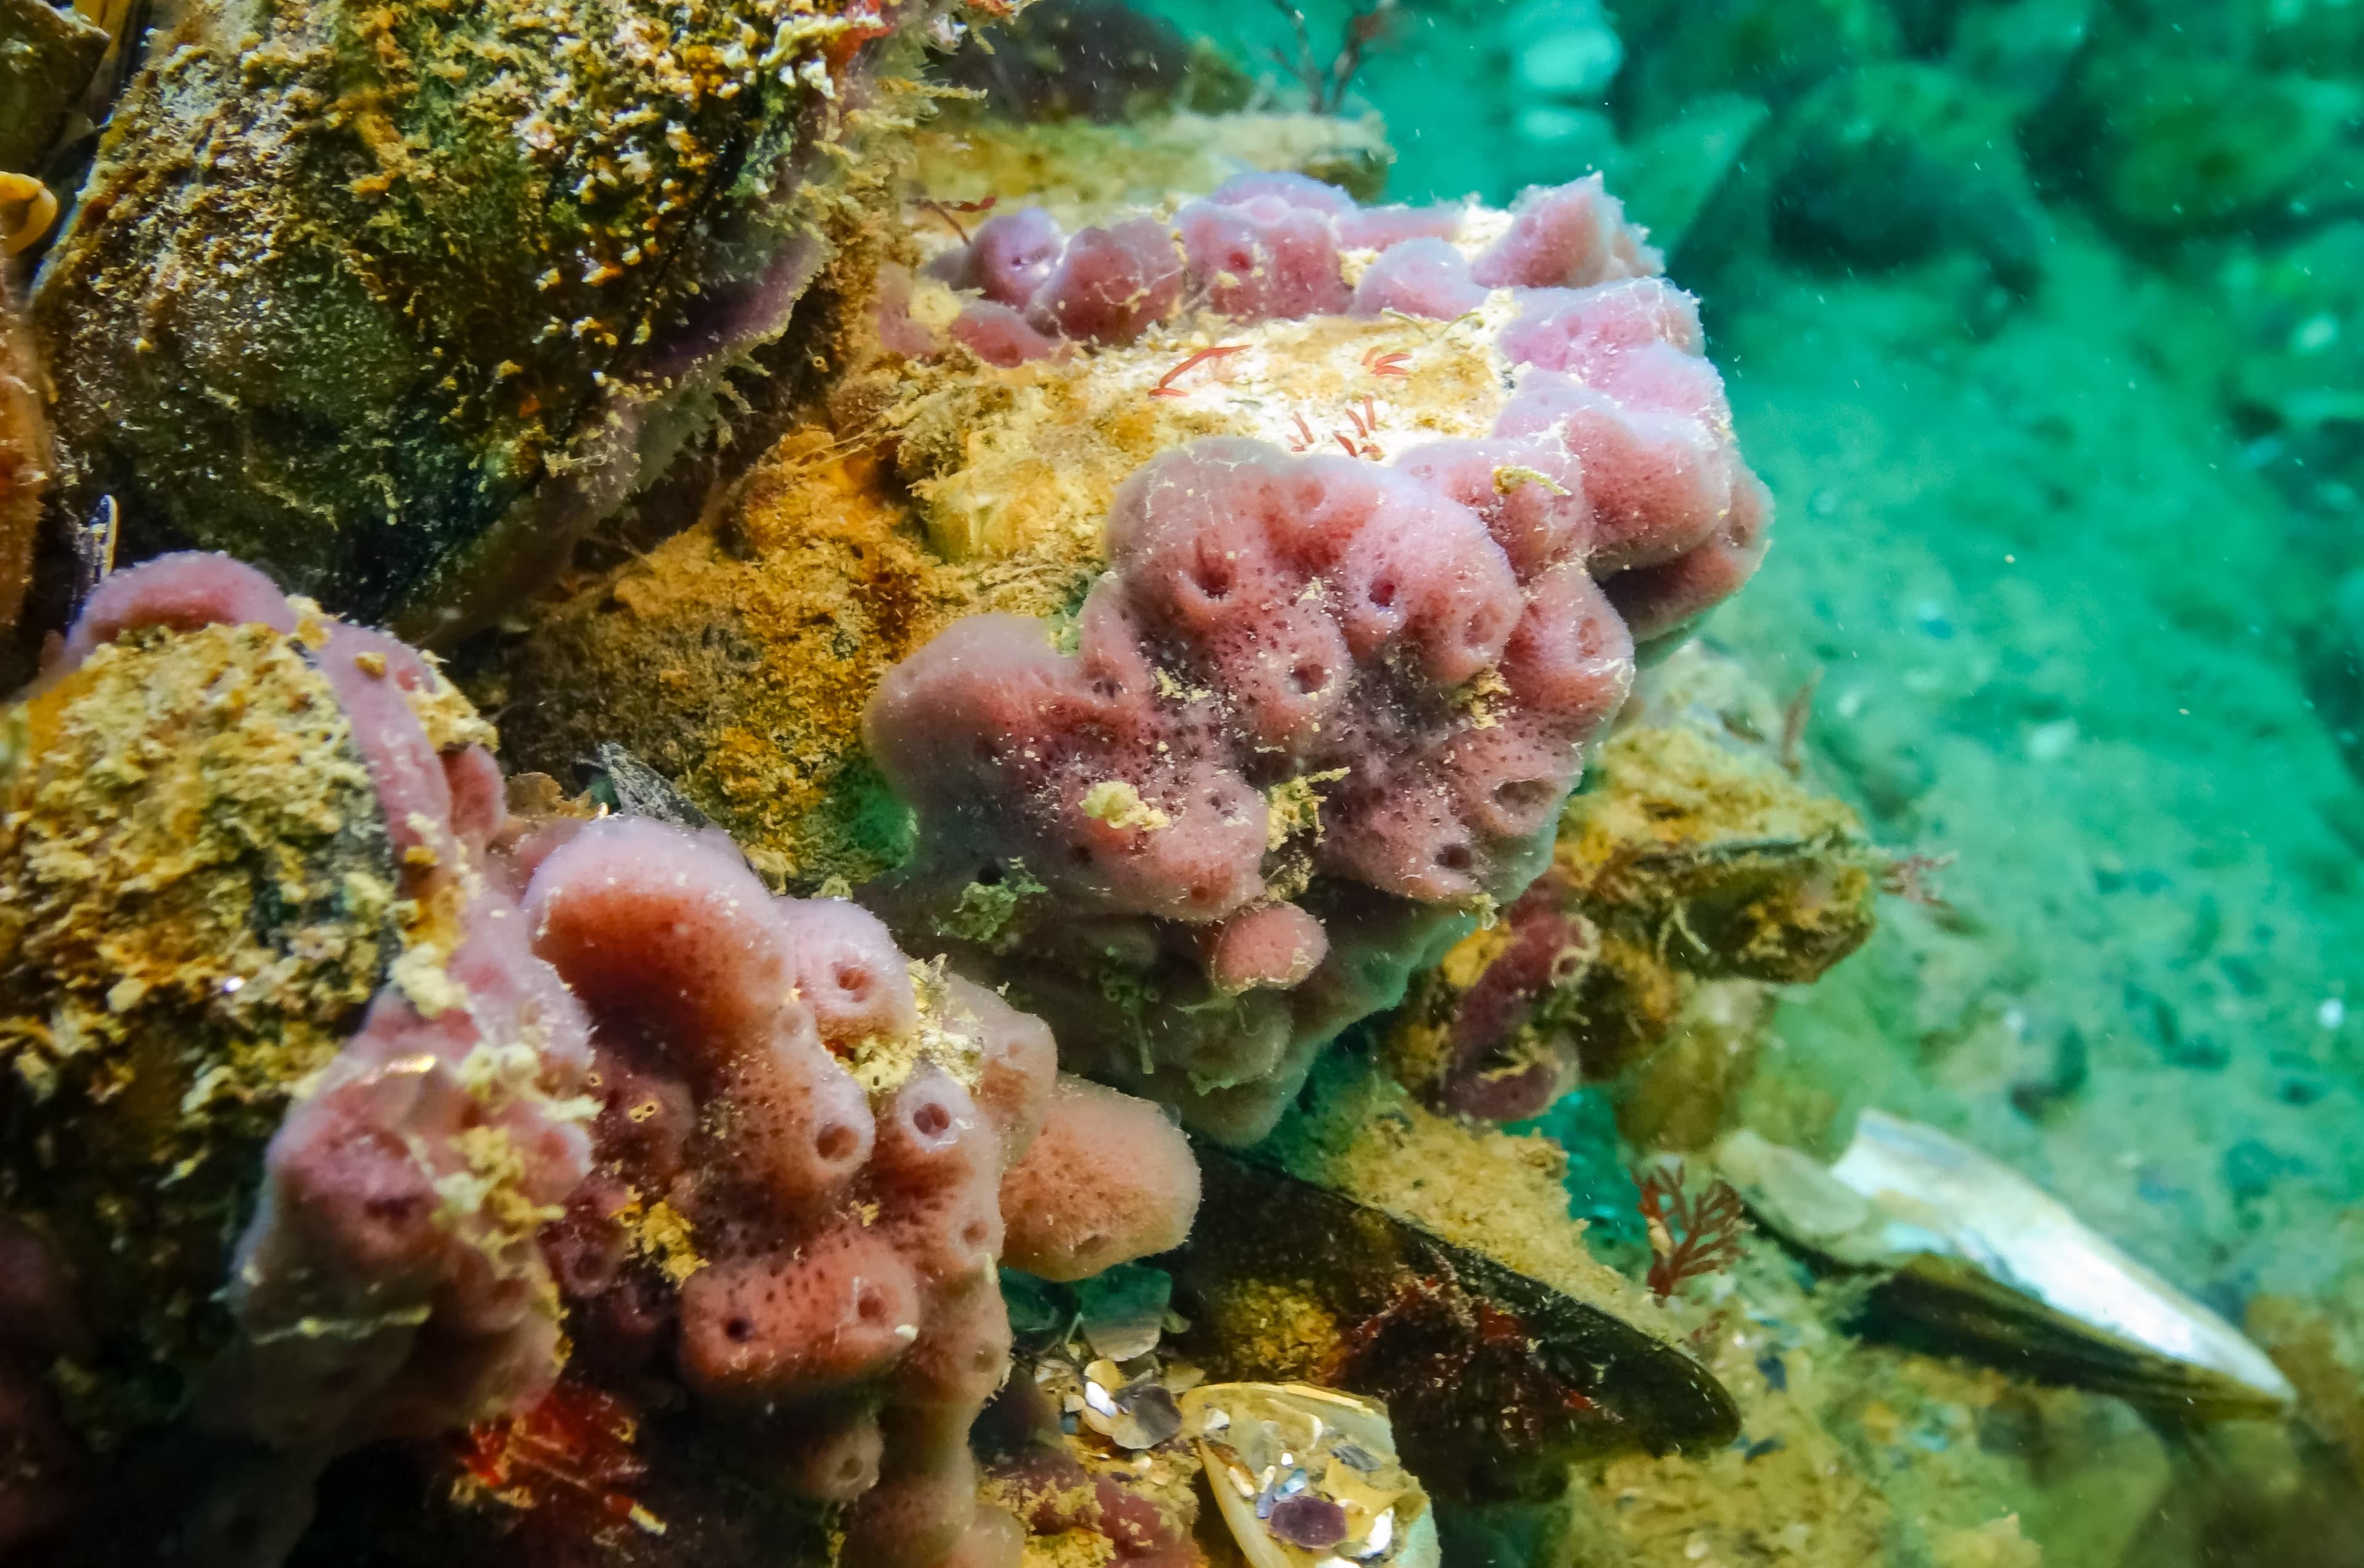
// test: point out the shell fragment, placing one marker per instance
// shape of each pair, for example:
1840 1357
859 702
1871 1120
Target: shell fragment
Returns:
1973 1249
1313 1478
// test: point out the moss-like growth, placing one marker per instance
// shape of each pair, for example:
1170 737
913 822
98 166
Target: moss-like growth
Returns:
764 631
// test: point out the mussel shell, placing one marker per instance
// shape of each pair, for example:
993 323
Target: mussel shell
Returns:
1981 1258
394 299
1374 1476
1495 1380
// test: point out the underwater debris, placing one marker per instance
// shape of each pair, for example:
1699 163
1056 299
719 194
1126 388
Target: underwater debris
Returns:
1304 1475
507 269
1091 1457
1085 1444
1968 1247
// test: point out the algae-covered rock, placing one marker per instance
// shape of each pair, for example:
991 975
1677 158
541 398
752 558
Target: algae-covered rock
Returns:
1900 160
47 55
1773 49
1856 1456
1082 171
2170 143
197 897
2299 310
396 299
761 634
1692 870
935 490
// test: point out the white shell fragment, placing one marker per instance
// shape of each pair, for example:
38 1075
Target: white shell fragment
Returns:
1307 1477
1135 1413
1982 1252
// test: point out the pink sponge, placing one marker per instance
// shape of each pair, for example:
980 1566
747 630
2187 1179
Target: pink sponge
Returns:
1266 246
360 1221
1566 236
388 1281
1103 286
1261 255
1013 254
1319 710
1617 381
999 335
1110 283
1344 643
1419 277
1381 227
824 1133
1109 1180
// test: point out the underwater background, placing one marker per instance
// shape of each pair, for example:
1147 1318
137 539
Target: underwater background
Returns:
2011 811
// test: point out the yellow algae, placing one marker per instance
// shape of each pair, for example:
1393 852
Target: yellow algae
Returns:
662 1234
767 626
1120 805
1025 461
949 1037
